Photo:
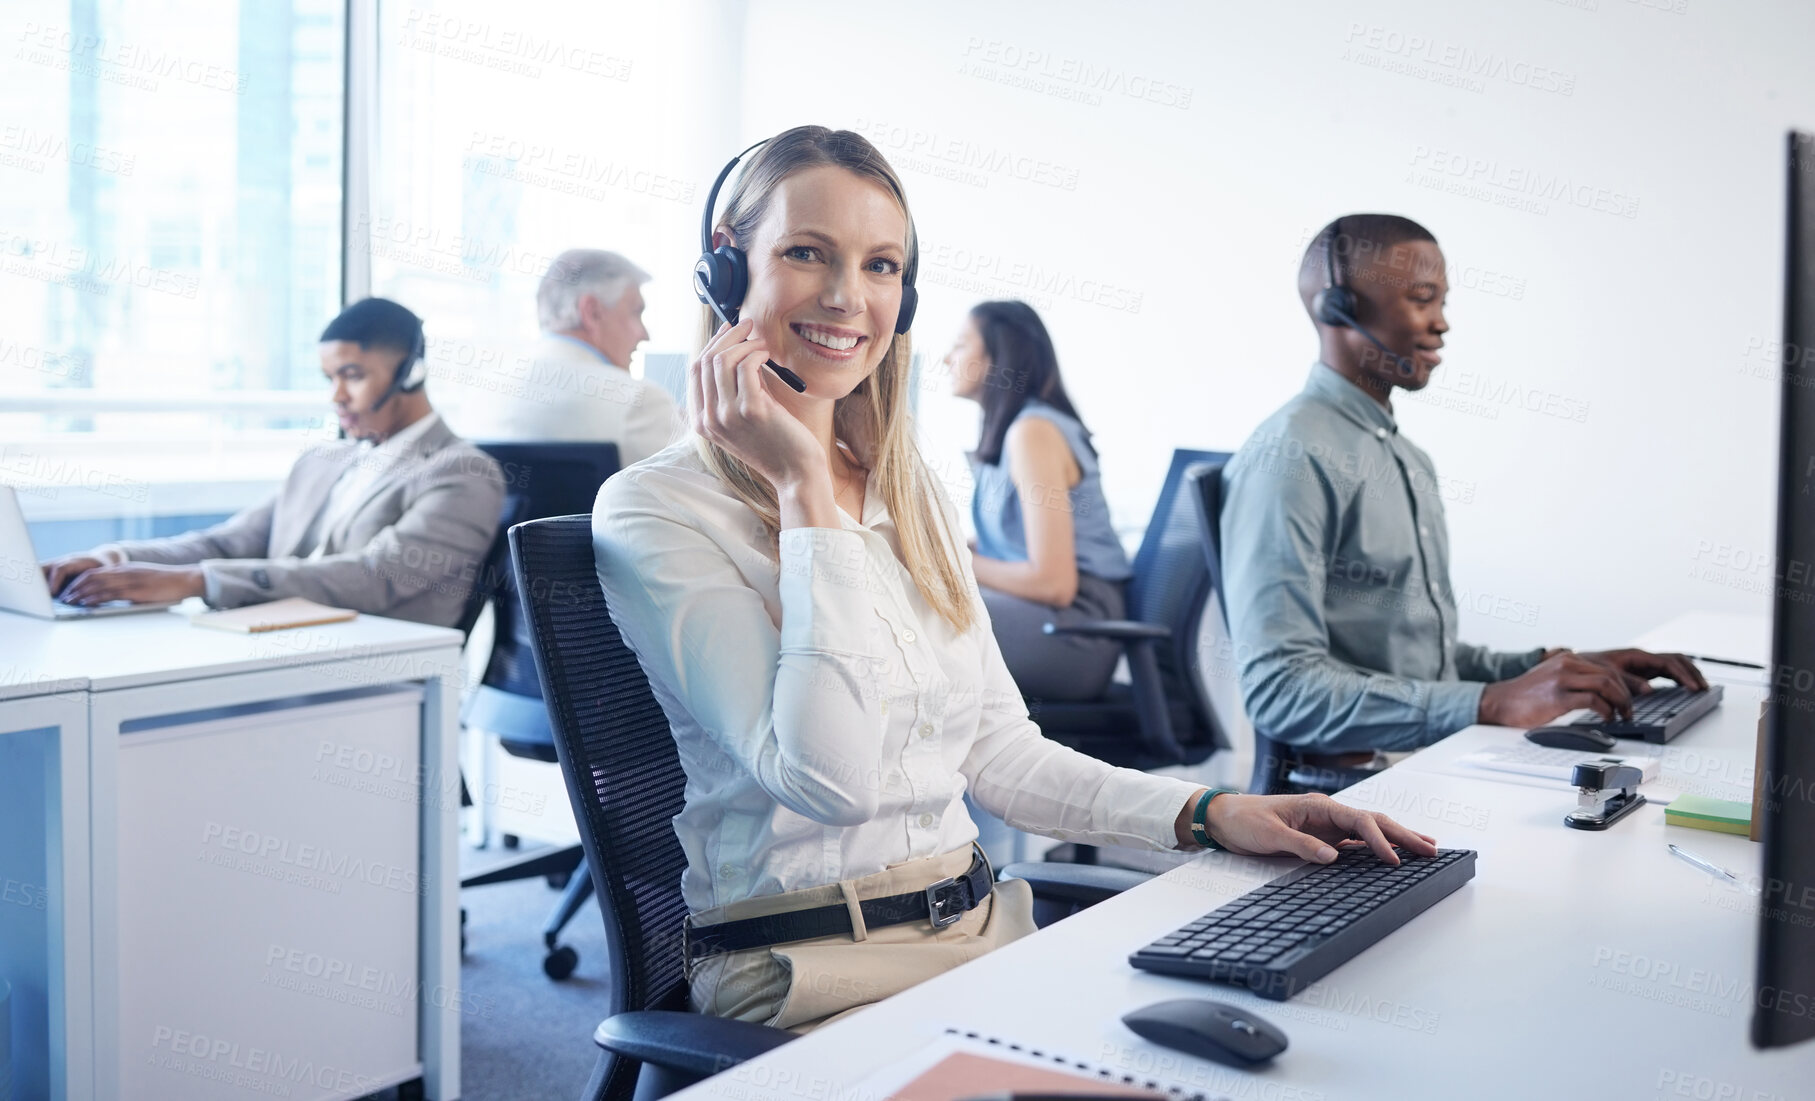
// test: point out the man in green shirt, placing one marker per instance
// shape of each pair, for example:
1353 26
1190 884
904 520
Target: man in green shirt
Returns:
1335 547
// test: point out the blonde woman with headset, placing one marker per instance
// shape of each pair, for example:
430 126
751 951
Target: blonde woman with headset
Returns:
791 580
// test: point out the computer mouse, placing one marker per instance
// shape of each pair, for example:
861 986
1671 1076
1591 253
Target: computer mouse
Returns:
1217 1031
1585 738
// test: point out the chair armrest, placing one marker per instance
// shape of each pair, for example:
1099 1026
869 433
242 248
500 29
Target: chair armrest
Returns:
1076 884
691 1043
1127 630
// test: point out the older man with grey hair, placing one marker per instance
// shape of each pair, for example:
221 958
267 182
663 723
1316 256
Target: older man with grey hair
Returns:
574 382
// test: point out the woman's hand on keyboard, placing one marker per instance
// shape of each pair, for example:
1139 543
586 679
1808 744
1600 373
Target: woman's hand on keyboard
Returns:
1307 826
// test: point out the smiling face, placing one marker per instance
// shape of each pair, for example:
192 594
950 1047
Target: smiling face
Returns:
1402 293
826 263
968 361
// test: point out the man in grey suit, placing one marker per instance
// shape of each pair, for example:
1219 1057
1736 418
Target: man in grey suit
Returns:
394 521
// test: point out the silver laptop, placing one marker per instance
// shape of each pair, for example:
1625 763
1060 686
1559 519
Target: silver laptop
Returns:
22 585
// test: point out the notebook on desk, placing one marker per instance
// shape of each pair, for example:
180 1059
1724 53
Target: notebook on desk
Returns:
277 615
960 1065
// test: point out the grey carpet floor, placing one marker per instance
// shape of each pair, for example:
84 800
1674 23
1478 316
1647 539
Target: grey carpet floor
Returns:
527 1038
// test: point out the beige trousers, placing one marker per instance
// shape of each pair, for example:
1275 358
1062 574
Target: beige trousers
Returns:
807 983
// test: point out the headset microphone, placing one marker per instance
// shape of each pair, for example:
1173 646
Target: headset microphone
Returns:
721 276
1336 304
409 376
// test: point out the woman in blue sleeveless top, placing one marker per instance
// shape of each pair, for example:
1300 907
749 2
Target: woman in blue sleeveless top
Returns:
1045 551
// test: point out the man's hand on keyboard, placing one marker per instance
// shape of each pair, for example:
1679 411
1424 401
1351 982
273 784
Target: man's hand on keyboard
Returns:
1639 666
1308 826
1559 683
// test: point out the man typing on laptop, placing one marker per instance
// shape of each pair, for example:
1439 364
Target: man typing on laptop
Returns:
394 521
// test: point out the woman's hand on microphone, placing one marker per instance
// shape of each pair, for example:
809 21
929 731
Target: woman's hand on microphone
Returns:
729 403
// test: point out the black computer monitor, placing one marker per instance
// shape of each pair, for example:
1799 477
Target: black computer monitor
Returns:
1784 1009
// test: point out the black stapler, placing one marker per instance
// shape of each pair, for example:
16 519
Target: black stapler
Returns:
1606 791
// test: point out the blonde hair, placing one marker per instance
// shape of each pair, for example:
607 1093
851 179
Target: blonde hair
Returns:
873 420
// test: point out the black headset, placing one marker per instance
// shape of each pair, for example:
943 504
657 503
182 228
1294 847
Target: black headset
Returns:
1336 304
721 277
411 375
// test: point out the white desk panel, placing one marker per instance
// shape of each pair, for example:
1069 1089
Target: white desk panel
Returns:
1574 965
130 671
129 651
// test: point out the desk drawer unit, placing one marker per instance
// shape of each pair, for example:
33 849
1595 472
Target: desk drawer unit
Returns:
268 901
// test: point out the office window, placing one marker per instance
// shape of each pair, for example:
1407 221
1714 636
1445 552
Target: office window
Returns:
507 134
170 236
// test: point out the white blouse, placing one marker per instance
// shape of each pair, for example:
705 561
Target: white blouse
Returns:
829 721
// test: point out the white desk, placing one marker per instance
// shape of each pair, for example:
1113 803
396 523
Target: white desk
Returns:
151 690
1574 965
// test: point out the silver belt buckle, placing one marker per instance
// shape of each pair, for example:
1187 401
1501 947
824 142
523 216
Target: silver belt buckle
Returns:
935 910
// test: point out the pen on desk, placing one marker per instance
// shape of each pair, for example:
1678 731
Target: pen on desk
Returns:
1704 865
1724 661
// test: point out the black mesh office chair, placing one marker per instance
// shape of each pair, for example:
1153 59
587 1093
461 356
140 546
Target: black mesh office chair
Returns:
624 778
1278 768
625 781
1163 717
540 480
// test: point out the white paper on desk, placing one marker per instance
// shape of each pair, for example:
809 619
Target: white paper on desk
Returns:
1131 1070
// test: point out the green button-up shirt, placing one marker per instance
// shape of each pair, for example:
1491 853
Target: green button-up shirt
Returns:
1336 571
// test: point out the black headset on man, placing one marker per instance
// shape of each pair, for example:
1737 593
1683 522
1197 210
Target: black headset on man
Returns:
1336 304
411 374
721 276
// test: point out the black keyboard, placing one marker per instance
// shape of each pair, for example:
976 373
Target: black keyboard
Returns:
1282 937
1660 715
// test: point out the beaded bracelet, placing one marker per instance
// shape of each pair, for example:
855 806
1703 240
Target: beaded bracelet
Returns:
1200 831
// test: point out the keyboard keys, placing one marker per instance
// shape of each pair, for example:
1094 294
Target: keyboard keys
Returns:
1283 936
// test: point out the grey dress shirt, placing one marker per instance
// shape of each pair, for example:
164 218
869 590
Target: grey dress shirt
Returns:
1336 571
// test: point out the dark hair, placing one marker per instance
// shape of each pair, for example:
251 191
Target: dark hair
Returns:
1022 365
1358 240
376 323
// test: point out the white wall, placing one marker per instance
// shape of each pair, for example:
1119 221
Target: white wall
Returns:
1183 214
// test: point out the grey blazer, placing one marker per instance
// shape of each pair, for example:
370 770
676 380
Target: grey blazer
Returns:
411 549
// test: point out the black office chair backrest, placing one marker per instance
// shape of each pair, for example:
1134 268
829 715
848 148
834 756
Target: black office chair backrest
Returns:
495 568
545 479
1170 586
618 758
1272 760
1206 487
